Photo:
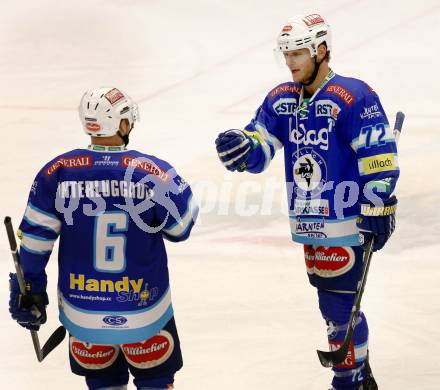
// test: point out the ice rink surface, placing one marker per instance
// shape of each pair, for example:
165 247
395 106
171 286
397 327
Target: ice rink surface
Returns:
246 315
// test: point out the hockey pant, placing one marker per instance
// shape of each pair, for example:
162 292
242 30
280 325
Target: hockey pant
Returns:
152 362
335 272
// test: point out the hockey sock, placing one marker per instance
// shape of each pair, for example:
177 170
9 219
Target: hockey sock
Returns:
108 383
154 383
336 308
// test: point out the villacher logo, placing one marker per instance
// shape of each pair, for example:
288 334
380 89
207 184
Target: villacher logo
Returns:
150 353
92 356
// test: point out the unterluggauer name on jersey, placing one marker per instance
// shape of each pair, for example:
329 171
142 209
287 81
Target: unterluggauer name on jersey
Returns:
104 188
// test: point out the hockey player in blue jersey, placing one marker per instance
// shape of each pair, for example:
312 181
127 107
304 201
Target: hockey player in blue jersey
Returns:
341 169
111 208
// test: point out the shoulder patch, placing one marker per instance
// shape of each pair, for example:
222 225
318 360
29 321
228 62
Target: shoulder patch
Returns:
145 165
285 88
69 162
342 93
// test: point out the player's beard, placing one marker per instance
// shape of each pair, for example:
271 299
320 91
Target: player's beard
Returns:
308 74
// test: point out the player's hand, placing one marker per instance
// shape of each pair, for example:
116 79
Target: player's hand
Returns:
379 222
233 148
28 310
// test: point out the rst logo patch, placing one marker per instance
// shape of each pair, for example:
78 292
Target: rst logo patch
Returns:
91 356
150 353
285 106
328 262
327 107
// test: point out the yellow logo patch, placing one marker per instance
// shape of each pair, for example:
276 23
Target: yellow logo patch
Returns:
380 163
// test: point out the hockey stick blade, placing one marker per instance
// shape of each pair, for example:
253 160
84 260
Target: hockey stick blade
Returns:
331 359
58 336
53 341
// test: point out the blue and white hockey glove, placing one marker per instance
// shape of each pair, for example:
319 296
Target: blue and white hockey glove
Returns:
379 222
233 148
28 310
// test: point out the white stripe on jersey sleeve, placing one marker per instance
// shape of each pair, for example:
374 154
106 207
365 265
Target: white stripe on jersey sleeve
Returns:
270 141
38 217
269 138
37 244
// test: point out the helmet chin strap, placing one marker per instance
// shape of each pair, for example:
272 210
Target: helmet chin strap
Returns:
315 72
123 137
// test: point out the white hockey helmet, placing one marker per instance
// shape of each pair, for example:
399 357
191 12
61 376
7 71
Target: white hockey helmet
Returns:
101 110
304 32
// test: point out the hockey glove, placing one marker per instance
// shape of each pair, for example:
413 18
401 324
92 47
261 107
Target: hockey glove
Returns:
28 310
233 148
378 222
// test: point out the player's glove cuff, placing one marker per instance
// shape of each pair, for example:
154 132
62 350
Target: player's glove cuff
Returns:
377 221
389 208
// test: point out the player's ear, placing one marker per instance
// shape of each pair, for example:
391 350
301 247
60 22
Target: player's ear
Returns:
322 52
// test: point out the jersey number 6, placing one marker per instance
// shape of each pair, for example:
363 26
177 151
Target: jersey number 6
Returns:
109 243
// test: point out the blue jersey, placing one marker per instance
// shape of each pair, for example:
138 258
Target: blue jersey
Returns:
112 209
338 149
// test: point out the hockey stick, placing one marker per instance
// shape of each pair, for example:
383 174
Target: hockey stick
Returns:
332 358
56 337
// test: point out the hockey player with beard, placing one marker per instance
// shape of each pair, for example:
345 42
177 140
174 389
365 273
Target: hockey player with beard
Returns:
341 169
111 208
